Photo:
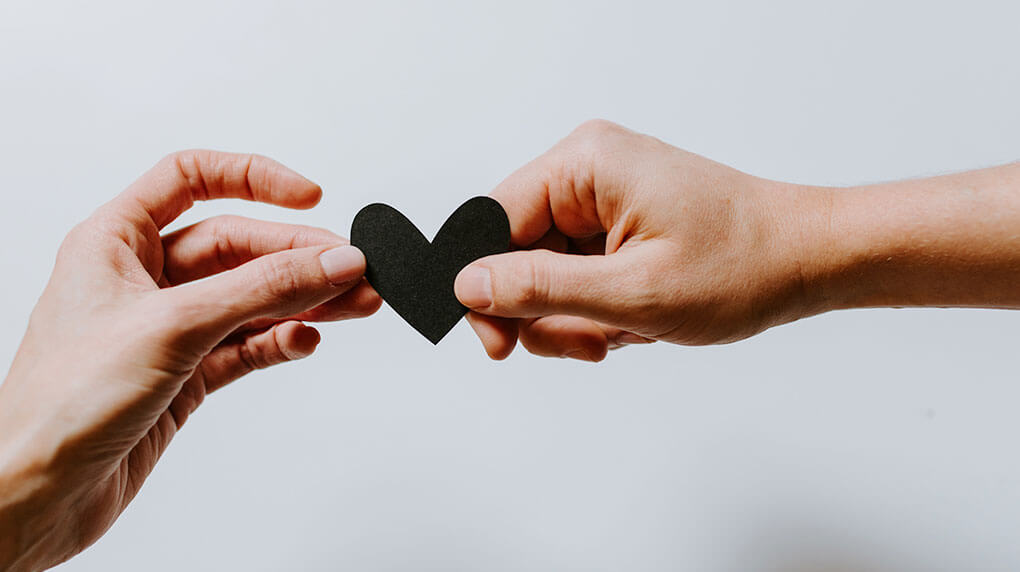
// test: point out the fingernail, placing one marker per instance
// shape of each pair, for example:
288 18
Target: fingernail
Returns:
627 338
578 354
342 264
473 287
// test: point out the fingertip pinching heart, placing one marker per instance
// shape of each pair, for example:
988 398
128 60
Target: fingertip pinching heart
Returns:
415 276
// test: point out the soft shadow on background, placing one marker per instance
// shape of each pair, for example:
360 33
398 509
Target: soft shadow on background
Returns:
867 441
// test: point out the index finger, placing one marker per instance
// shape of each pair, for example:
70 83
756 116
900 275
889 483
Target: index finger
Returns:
176 182
558 189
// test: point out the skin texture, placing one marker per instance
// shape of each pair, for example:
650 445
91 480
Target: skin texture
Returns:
624 239
620 239
125 342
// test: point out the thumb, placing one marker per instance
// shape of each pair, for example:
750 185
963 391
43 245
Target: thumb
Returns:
532 283
273 286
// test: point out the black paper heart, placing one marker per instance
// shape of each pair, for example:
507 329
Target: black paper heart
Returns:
416 277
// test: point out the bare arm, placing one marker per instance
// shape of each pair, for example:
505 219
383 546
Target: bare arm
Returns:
952 240
625 239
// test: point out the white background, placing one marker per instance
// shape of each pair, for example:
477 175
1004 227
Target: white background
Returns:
865 441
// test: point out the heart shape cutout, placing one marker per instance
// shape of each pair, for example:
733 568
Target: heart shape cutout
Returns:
415 276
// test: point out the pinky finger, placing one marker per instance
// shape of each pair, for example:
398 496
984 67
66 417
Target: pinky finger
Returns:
241 355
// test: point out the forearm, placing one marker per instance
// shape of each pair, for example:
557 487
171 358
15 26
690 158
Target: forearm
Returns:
945 241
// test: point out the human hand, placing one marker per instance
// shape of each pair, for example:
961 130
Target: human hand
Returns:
626 239
127 340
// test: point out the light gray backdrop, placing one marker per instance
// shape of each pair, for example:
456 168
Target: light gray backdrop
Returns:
882 440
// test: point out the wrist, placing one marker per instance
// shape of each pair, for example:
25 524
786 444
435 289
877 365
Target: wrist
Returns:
806 258
837 248
943 241
860 243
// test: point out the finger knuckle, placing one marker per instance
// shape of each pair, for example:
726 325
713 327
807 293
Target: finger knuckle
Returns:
597 128
183 162
75 237
595 141
186 165
206 172
251 356
226 221
173 159
261 352
531 283
279 278
595 133
222 229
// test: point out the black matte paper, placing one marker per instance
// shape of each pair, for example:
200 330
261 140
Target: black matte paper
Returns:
416 277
